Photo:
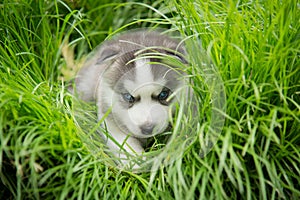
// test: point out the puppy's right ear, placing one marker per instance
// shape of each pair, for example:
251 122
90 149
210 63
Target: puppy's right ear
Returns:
89 75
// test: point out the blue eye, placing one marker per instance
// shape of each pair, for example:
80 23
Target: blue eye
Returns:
128 98
163 95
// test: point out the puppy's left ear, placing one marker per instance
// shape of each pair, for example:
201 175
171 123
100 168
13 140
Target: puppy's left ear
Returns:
179 54
107 53
180 57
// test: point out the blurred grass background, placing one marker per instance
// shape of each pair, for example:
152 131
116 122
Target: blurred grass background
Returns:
253 44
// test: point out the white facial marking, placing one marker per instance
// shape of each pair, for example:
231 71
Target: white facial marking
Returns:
143 71
148 113
143 75
144 83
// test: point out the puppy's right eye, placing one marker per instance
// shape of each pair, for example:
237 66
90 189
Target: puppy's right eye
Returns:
128 98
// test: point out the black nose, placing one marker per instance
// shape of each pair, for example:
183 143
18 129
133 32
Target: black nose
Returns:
147 129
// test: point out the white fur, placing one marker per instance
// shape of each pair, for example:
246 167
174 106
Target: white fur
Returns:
143 113
143 72
147 111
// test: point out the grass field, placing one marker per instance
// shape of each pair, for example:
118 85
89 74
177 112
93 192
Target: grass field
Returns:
254 46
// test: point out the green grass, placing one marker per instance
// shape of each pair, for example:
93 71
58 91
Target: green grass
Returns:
255 48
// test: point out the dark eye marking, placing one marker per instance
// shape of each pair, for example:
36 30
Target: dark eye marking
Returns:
163 96
128 98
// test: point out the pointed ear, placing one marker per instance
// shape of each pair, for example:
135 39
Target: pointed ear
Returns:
180 55
88 77
107 53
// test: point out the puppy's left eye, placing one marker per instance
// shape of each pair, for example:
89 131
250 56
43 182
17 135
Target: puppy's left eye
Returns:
163 95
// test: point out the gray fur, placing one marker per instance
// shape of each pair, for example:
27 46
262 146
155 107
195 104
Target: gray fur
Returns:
113 56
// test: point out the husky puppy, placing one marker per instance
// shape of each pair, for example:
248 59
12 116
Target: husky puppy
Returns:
128 78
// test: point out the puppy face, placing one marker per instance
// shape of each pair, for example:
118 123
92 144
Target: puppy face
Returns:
140 92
